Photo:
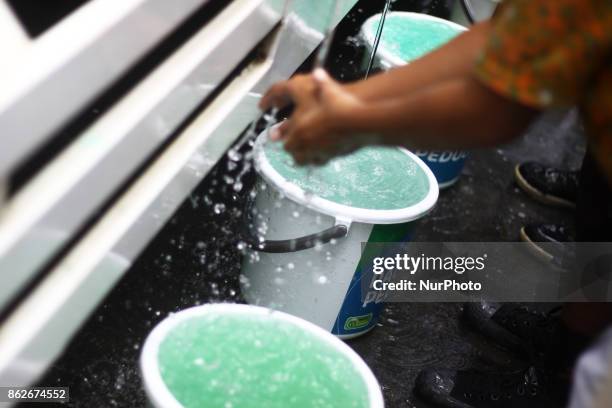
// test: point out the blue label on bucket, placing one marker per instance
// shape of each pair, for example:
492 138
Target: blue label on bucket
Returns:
445 165
359 314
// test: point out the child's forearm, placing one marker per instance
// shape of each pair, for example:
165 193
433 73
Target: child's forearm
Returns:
452 60
454 114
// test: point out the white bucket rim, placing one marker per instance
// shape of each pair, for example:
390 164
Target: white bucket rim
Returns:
341 211
160 396
388 58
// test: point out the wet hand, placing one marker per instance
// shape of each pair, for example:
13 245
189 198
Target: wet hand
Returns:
320 126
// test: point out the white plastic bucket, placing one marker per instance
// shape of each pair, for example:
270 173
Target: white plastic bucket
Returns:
480 9
160 395
388 58
332 299
446 165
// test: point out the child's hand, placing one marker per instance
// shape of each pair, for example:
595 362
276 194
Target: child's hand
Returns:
320 126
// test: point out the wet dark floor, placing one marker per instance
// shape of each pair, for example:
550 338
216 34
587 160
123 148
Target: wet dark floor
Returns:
194 260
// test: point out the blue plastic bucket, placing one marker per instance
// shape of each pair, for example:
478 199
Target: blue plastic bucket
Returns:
445 165
406 37
359 314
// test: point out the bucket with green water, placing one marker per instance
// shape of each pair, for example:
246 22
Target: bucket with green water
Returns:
313 221
241 356
406 37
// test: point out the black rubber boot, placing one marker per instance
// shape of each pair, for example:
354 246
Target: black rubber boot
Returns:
547 241
479 316
534 332
530 388
548 185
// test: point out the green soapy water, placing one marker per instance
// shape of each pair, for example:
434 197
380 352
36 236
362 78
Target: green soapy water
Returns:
410 38
376 178
251 361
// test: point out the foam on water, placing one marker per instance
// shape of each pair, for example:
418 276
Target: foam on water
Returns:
254 361
377 178
410 38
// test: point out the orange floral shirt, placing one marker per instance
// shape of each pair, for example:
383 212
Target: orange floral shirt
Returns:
555 54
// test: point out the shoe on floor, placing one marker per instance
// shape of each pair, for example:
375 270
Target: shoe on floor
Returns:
531 388
547 241
548 185
534 332
524 329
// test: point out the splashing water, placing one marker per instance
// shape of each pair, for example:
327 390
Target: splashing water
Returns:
372 178
219 208
236 158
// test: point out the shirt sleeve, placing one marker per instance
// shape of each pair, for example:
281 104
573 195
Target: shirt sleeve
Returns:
543 53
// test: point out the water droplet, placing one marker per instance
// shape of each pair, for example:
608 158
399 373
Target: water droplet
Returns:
231 166
392 322
254 257
234 155
219 208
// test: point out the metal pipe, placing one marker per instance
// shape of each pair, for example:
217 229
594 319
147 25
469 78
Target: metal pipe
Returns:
378 36
467 10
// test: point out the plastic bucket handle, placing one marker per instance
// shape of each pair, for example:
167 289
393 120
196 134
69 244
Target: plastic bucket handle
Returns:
339 230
